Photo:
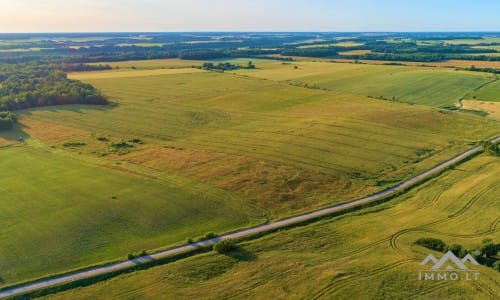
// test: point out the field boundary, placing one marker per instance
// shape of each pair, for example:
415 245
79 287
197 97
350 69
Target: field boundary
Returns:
87 276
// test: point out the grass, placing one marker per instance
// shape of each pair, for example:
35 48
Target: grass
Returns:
333 258
435 87
218 151
67 212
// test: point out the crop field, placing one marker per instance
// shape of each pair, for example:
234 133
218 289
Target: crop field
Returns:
152 64
442 64
94 211
436 87
372 248
490 92
181 152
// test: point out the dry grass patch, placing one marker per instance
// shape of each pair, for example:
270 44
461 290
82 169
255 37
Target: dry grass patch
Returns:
274 186
51 133
492 108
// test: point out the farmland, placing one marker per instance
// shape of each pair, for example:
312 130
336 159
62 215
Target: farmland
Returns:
116 145
372 248
402 83
95 211
242 148
491 92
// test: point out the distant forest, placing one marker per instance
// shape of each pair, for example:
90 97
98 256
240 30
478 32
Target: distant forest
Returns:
83 48
33 66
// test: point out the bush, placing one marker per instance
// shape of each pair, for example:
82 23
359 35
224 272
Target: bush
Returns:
73 144
496 265
102 139
120 145
432 243
136 141
210 235
225 246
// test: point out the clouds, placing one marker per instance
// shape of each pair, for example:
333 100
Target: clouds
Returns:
247 15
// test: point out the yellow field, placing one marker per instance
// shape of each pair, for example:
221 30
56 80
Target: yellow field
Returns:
355 52
443 64
153 64
492 108
130 73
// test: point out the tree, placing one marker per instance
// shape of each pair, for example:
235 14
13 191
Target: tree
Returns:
458 250
489 249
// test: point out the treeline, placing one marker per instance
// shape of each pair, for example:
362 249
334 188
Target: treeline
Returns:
225 66
485 254
311 52
32 85
84 67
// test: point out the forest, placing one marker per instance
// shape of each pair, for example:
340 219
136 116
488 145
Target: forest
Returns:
37 84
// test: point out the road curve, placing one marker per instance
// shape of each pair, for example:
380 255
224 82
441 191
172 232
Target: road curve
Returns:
84 274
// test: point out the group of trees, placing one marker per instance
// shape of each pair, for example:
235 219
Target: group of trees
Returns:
225 66
7 119
485 254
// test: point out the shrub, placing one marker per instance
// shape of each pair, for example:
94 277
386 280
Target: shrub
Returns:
102 139
73 144
496 265
136 141
225 246
210 235
120 145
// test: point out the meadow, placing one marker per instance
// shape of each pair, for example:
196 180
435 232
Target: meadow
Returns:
70 212
417 85
180 152
368 254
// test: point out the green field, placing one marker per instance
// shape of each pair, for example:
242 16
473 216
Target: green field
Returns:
94 211
490 92
218 151
429 86
367 254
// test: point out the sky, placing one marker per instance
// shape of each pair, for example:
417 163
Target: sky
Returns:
248 15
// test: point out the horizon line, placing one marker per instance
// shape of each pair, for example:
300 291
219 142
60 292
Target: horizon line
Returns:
262 31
